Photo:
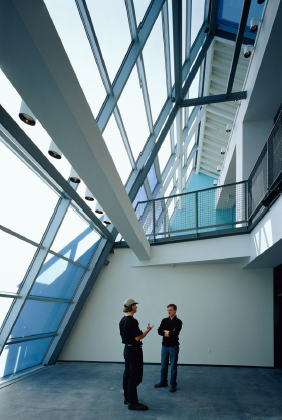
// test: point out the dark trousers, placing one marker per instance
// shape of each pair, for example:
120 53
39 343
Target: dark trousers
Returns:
133 372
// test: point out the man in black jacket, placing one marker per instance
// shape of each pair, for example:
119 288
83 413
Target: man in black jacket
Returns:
169 329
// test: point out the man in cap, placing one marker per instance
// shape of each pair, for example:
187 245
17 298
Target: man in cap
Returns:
169 329
133 356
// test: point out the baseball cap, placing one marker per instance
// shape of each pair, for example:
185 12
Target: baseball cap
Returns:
129 302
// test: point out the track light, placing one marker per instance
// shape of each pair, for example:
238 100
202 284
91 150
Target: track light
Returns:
54 151
106 220
261 1
215 182
98 208
222 151
26 115
228 128
218 168
254 24
74 177
248 51
88 195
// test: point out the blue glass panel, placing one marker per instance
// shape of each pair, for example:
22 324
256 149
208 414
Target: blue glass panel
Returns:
75 239
38 318
152 178
229 11
141 196
58 279
16 357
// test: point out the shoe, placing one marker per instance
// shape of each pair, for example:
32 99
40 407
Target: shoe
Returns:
137 406
125 401
172 389
160 385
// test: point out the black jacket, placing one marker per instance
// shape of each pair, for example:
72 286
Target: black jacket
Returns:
174 326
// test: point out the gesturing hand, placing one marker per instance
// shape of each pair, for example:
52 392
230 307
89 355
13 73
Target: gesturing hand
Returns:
149 327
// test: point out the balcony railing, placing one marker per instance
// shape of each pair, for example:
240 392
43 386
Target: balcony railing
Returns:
226 209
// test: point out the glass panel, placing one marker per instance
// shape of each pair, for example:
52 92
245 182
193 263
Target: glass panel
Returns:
58 279
16 357
152 178
133 114
75 239
229 11
117 149
140 9
141 196
65 15
198 7
5 304
29 202
12 274
164 153
154 62
112 30
38 317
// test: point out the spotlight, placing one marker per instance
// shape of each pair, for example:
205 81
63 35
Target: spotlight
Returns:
215 182
218 168
88 195
98 208
248 51
54 151
222 151
228 128
106 220
26 115
260 1
74 177
254 24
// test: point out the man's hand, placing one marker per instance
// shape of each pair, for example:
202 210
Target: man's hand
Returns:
149 327
166 333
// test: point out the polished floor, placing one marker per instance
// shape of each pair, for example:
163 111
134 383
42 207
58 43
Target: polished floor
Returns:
93 391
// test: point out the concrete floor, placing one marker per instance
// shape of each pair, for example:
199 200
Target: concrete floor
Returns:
93 391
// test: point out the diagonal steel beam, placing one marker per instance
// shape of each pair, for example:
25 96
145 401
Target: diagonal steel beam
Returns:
213 99
134 182
130 58
165 26
142 175
213 16
177 45
238 44
124 136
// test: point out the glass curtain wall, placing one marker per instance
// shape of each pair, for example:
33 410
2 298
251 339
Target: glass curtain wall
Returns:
45 251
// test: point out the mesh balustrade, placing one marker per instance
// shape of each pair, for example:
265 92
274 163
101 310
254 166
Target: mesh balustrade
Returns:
212 209
233 206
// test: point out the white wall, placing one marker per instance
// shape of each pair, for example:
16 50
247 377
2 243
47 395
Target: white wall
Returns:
222 306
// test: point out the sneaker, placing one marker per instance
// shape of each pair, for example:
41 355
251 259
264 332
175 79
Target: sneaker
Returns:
172 389
137 406
160 385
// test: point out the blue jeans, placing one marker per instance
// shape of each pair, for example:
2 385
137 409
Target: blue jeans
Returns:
172 354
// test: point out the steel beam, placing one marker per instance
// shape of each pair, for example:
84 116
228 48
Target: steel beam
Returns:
213 16
177 46
165 25
124 137
142 175
213 99
131 56
238 44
